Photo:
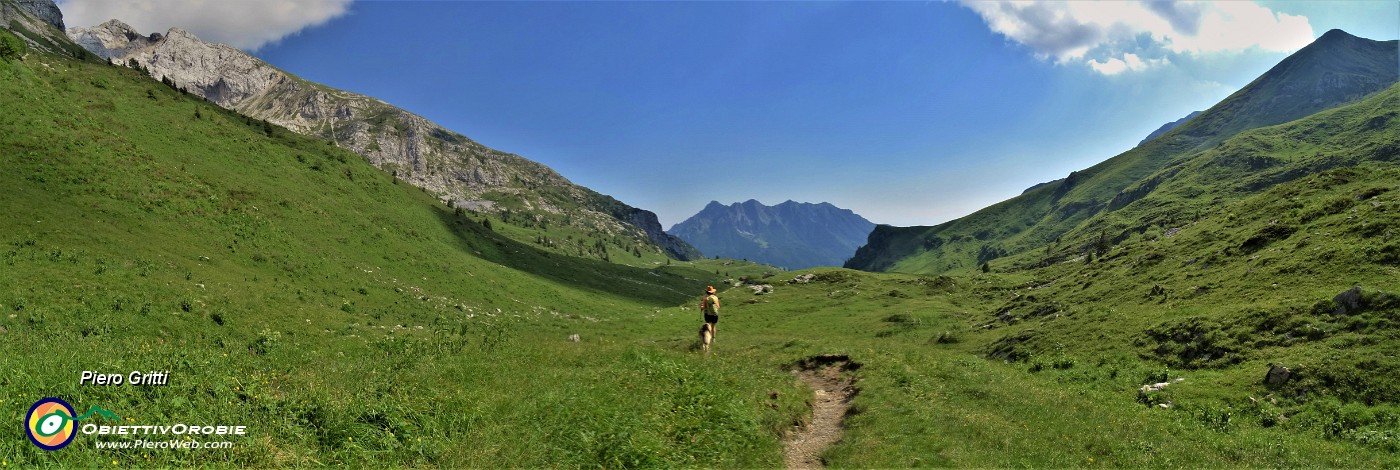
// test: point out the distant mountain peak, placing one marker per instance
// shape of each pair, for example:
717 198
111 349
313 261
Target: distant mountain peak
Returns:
1335 34
1334 70
792 234
114 25
1162 130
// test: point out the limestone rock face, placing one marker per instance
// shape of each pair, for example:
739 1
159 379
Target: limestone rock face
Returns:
38 17
410 147
44 10
111 40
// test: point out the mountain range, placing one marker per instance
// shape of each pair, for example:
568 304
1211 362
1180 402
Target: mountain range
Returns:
1216 298
1168 127
1071 213
794 235
456 169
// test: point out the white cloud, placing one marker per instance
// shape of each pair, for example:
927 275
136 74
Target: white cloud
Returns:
1129 62
1233 26
1117 36
245 24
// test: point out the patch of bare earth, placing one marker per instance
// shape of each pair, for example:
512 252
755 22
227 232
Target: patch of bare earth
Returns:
833 386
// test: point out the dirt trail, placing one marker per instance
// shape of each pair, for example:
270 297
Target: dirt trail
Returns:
833 390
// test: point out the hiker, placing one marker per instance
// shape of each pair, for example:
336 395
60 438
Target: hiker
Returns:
709 305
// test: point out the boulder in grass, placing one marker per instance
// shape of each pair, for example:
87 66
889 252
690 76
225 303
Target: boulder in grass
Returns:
1278 375
1348 301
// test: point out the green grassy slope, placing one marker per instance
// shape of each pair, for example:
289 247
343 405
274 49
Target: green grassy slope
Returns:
1335 69
349 319
1276 248
943 382
1362 134
344 317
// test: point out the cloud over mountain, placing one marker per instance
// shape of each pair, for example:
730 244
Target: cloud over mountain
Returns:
1114 37
245 24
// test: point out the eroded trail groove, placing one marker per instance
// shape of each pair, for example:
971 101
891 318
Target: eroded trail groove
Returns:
833 387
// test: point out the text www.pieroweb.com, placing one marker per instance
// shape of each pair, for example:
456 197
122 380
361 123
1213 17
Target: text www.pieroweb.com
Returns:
163 444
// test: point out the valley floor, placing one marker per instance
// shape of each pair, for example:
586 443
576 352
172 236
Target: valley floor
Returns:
346 319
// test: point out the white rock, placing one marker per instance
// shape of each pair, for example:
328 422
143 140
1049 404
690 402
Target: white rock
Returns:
411 147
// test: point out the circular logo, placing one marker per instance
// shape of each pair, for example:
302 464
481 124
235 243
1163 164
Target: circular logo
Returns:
50 423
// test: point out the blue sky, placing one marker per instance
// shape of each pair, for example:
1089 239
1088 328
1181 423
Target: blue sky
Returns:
909 113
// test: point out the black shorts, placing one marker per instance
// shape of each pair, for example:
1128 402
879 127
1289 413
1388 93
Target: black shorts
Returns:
712 319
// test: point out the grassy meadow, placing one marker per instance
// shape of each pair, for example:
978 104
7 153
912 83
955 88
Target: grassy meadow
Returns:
349 319
342 316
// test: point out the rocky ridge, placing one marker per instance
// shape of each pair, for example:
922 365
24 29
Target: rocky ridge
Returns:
37 22
455 168
43 10
790 235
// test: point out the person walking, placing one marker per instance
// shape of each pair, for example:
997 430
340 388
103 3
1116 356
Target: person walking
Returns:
709 306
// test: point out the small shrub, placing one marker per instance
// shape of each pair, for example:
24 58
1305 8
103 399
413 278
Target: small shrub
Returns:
11 47
1063 362
264 343
1218 419
1157 376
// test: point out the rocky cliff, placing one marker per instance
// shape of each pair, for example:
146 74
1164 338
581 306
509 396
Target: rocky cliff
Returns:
455 168
43 10
39 23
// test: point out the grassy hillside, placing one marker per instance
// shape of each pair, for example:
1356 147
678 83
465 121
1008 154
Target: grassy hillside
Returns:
1365 134
944 383
1336 69
343 316
347 318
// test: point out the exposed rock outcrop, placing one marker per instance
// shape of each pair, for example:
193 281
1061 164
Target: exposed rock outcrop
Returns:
647 221
111 40
38 22
44 10
1347 301
410 147
1278 375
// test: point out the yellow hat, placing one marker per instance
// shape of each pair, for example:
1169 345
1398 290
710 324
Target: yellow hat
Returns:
710 289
